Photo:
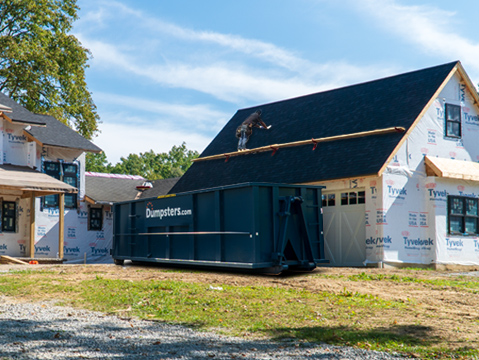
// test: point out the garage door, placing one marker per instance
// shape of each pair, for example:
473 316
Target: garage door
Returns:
344 227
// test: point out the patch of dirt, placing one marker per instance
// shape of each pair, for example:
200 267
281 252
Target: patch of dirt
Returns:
448 313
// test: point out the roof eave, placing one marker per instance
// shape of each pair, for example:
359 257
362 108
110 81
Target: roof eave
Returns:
33 138
92 201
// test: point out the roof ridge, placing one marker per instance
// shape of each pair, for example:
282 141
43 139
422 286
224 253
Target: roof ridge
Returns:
452 64
114 176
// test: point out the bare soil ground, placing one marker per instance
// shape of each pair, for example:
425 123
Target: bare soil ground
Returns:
449 313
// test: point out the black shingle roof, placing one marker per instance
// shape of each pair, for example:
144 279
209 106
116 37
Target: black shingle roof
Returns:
104 189
46 129
19 113
58 134
389 102
110 190
160 187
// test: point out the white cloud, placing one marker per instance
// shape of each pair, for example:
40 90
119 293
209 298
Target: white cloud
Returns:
226 80
259 49
121 139
224 66
203 116
428 27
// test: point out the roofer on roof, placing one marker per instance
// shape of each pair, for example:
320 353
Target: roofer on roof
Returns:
244 131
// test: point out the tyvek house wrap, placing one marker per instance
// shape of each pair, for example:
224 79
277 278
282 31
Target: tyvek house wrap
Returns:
409 224
14 149
79 241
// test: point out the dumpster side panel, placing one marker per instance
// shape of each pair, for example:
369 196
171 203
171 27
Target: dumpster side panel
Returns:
158 244
207 219
267 207
240 226
121 238
314 219
167 220
139 246
238 217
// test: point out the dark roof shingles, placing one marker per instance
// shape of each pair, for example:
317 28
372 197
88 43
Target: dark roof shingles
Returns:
395 101
19 113
58 134
111 190
47 129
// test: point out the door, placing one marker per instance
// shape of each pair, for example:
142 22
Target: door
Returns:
344 227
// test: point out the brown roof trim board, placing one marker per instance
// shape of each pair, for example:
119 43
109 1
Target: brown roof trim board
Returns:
314 142
4 108
24 179
20 122
457 68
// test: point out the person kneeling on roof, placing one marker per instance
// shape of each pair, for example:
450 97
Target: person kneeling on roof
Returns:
244 131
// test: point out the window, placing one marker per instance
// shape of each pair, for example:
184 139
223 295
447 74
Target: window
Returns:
96 219
67 173
9 212
329 199
463 215
453 120
361 197
52 169
353 198
70 177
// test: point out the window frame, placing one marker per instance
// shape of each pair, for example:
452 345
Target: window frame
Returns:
464 216
14 217
74 175
51 201
61 174
344 198
328 200
91 218
447 121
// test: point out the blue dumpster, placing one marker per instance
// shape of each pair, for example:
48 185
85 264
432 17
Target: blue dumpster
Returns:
255 226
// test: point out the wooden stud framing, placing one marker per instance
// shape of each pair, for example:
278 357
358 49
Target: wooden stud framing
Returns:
61 225
32 225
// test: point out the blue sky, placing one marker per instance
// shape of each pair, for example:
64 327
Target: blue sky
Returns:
171 71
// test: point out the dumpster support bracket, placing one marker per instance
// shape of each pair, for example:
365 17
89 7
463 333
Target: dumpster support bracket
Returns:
287 204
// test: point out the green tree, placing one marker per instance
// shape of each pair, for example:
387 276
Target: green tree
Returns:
97 163
42 66
150 165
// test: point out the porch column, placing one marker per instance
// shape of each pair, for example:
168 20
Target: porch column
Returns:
32 226
61 225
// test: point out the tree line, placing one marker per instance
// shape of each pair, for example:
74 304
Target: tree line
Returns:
150 165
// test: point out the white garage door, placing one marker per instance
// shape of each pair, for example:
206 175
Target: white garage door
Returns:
344 227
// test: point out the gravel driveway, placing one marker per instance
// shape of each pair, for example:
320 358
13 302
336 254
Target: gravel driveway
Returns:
45 331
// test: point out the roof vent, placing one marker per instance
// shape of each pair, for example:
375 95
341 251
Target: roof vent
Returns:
146 185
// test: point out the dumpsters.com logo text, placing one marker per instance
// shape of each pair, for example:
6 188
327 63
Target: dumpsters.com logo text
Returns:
166 212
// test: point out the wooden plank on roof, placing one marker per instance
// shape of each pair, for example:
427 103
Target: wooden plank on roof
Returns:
313 142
